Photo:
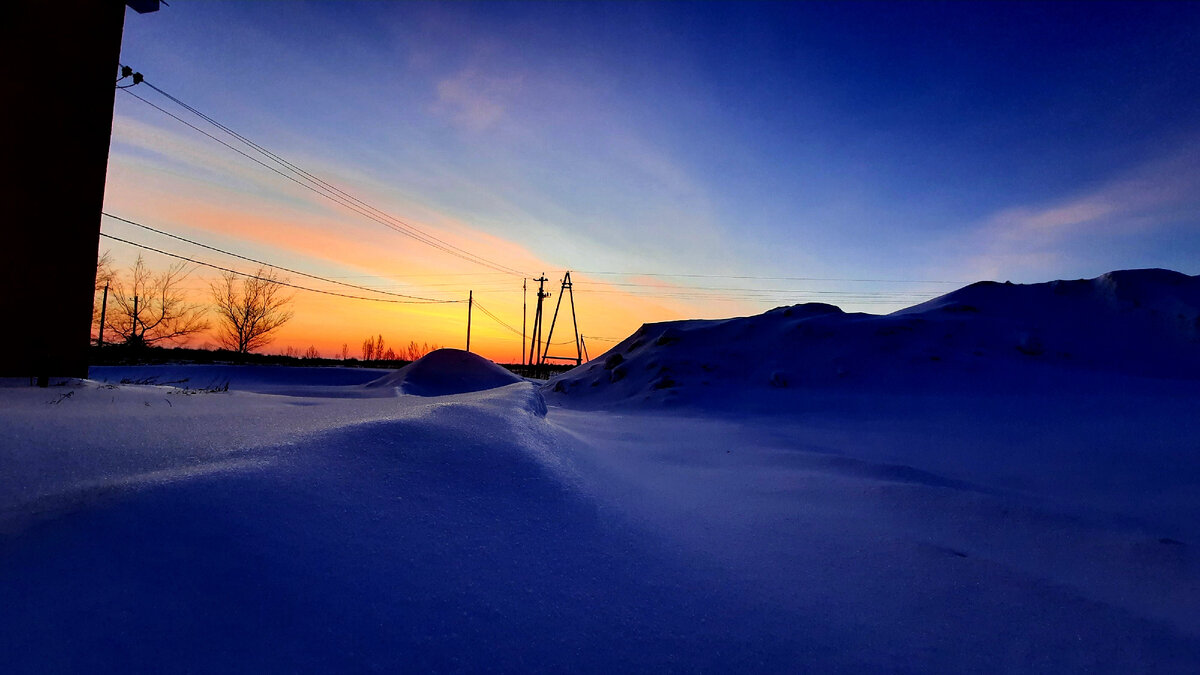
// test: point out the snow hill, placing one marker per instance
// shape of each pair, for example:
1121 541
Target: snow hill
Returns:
444 372
985 336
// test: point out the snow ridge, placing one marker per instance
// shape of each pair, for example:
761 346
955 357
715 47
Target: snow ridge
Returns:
1132 323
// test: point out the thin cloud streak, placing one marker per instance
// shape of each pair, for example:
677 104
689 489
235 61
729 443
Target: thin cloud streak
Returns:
1040 239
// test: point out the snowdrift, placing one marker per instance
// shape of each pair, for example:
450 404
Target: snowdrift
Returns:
444 372
1140 323
283 380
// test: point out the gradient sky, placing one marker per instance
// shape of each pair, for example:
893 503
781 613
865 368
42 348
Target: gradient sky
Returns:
933 142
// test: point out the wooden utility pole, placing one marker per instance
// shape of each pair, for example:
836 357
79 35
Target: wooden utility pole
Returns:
536 340
524 315
56 130
103 310
470 306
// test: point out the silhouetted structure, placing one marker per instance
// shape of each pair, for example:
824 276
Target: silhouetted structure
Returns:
567 289
535 343
58 122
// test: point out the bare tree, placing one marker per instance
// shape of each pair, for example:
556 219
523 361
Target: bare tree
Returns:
415 351
345 351
250 309
147 307
104 269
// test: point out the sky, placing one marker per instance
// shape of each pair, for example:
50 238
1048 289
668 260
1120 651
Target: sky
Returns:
682 160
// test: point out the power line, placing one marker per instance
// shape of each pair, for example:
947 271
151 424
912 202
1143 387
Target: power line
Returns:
276 281
752 277
419 276
322 182
496 318
771 290
514 331
259 262
314 189
322 187
766 295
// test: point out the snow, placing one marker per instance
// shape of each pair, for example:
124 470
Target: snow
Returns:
987 337
839 502
447 371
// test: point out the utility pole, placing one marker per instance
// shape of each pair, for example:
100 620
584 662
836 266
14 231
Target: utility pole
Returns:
60 104
524 315
537 321
103 309
566 290
470 305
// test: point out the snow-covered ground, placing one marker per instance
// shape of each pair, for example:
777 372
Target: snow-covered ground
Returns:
1004 479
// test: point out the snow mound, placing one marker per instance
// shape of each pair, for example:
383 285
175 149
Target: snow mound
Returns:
1132 323
445 372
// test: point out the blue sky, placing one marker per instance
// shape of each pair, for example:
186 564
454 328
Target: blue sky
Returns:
940 141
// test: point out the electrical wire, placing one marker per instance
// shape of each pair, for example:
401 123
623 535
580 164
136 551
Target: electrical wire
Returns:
514 331
773 290
753 277
321 181
259 262
314 189
496 318
320 186
276 281
331 192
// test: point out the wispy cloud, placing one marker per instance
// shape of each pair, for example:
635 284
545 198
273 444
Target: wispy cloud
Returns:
1040 239
475 100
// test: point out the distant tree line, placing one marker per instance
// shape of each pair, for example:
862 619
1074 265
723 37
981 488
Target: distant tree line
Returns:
145 308
376 349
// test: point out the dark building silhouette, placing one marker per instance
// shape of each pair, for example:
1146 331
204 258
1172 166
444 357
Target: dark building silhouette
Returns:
63 61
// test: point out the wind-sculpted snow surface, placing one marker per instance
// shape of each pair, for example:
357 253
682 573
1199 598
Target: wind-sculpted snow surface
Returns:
447 371
1005 479
986 336
204 530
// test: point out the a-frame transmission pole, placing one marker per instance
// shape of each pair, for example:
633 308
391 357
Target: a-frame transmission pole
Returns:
536 341
567 289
